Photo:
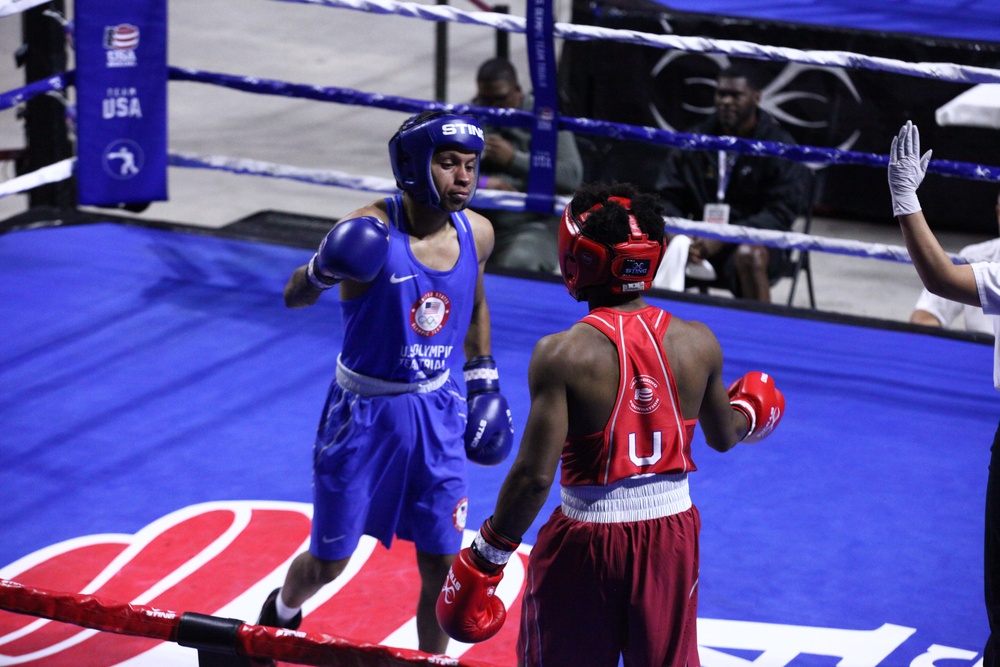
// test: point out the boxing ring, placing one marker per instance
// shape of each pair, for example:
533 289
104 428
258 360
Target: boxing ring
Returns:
159 404
159 410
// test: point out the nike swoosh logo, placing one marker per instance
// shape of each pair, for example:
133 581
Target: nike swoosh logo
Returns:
396 279
328 540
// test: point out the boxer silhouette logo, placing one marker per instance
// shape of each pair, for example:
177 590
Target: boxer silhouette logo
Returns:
123 159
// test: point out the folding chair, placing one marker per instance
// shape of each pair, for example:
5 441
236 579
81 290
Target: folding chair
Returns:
798 259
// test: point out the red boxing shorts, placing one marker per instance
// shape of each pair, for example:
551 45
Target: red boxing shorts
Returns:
595 591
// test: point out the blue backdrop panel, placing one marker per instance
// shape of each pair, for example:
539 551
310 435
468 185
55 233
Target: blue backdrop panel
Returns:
142 371
121 84
975 20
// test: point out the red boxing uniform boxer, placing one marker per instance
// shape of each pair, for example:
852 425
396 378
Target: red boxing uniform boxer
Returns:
615 398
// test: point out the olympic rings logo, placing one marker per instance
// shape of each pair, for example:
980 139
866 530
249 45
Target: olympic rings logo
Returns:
430 313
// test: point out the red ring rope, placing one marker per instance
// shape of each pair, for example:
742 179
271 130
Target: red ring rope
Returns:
257 641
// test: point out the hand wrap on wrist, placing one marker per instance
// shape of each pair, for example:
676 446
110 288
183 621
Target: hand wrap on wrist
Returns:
316 279
492 548
747 410
481 375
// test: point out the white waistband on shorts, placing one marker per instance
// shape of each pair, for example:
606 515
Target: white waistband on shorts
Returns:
364 385
632 499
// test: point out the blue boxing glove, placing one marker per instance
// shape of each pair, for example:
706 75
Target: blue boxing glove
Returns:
489 434
356 248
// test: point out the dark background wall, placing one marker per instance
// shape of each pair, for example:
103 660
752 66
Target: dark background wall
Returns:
857 110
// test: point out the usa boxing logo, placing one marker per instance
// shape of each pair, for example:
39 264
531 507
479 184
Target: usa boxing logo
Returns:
430 313
644 399
120 43
223 558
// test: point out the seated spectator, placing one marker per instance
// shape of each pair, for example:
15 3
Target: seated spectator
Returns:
717 186
935 311
524 239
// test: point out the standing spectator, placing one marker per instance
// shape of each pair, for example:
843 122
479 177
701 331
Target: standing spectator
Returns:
615 399
933 311
976 284
389 458
719 186
524 240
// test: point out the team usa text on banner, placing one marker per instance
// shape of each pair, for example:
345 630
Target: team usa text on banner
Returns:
121 82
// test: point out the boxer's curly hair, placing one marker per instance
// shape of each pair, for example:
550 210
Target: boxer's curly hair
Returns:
609 224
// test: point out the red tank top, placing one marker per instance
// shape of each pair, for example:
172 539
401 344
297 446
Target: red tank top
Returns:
646 433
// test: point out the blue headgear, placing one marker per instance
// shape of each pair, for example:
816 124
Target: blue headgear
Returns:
413 146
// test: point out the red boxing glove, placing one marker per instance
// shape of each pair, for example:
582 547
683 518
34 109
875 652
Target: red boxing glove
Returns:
468 608
761 403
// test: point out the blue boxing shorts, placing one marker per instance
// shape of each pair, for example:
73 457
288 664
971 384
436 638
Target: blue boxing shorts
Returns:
390 465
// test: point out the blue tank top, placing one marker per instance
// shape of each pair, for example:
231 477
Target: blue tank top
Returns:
412 320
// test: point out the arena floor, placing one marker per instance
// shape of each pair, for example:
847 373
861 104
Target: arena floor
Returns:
159 408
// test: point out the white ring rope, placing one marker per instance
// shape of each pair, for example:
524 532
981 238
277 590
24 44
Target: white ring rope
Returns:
10 7
494 199
260 168
793 240
845 59
53 173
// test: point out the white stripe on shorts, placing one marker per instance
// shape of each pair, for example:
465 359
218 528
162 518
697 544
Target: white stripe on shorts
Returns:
364 385
632 499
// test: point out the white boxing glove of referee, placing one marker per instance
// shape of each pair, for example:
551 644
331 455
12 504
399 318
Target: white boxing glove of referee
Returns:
906 169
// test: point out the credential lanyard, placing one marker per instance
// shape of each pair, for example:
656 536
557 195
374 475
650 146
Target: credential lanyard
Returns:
726 160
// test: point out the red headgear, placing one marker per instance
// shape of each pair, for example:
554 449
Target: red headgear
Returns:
624 267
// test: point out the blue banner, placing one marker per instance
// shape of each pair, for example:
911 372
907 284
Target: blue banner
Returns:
121 86
544 137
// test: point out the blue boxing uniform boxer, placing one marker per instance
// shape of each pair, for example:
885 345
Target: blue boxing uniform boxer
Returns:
397 429
394 386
